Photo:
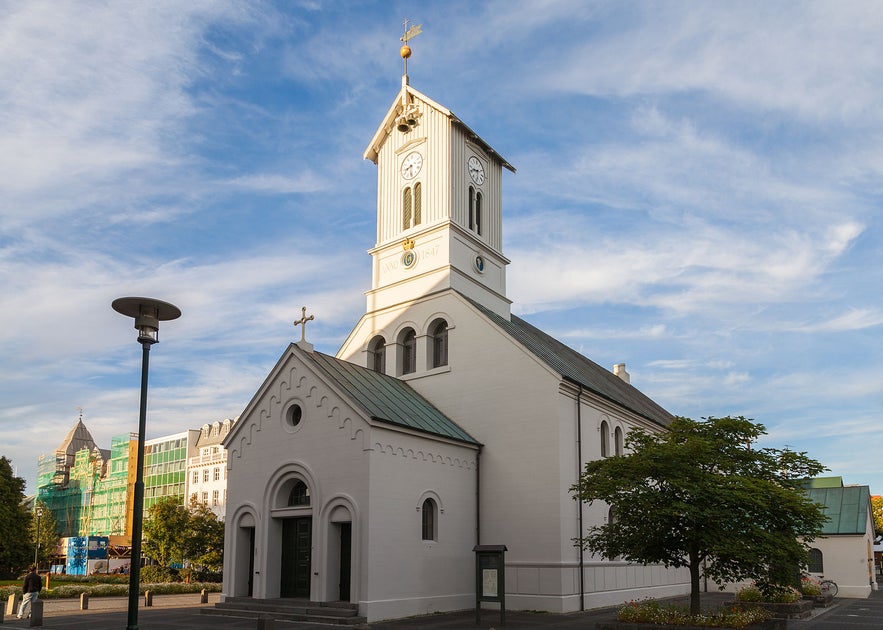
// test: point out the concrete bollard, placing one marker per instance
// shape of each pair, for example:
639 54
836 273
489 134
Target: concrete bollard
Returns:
84 601
203 597
266 622
148 598
36 613
12 604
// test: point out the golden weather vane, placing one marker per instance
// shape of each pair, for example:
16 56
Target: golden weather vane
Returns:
409 34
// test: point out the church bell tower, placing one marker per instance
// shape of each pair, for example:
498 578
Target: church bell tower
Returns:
439 212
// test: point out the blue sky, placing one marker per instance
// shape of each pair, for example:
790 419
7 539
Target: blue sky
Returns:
698 195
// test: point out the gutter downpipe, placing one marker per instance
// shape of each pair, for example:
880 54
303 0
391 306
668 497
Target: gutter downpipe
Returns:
478 495
579 468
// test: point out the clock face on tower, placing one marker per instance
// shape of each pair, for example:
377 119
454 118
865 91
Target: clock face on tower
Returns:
476 170
411 165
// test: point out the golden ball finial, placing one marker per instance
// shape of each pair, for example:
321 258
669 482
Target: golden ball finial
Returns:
405 51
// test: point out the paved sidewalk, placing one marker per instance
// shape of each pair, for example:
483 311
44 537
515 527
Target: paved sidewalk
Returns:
172 612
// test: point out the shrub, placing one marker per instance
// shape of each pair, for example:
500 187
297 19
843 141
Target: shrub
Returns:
810 587
207 576
649 611
771 593
155 574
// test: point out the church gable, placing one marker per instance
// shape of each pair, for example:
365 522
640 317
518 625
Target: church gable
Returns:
292 392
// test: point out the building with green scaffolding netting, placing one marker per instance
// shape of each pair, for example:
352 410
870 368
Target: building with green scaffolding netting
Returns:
89 490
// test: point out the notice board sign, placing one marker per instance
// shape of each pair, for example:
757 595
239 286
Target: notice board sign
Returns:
490 578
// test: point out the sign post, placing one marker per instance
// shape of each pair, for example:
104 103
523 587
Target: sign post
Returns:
490 578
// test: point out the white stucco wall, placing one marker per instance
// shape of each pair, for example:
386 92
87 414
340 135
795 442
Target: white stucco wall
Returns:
510 401
848 562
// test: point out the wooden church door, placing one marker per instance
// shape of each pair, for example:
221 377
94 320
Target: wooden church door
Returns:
296 545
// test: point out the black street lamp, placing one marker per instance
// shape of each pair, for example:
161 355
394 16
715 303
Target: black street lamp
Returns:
148 313
38 510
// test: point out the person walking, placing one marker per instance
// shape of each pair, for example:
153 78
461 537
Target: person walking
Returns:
30 591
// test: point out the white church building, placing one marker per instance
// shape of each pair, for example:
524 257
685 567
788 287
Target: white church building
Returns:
443 422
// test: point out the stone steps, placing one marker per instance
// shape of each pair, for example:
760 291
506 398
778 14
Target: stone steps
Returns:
332 613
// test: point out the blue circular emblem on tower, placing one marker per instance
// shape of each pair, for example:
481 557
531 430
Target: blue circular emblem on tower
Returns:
409 259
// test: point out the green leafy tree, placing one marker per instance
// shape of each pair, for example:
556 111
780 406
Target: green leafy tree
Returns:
175 533
877 510
164 531
46 539
700 496
15 553
205 538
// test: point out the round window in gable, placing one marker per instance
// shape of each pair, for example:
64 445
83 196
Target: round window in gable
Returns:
293 417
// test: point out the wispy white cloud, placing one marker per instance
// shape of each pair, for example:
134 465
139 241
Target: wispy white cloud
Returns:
280 184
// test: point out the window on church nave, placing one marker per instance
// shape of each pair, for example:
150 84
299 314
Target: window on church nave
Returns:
618 441
409 351
377 354
428 515
300 495
605 439
816 561
439 335
412 206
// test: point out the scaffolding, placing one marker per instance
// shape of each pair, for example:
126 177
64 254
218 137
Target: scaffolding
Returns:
91 495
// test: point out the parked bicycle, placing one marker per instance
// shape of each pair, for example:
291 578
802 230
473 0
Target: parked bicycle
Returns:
829 587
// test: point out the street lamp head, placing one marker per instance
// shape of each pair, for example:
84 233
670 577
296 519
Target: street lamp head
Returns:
39 511
148 313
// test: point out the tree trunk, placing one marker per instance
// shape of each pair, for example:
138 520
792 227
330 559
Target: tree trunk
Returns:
695 608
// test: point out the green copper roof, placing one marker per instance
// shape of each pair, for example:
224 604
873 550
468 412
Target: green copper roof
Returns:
388 399
576 368
846 508
823 482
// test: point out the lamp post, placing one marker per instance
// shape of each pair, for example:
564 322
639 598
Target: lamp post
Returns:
148 313
38 510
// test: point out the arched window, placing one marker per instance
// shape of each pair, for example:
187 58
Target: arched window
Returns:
605 439
418 203
816 564
412 206
377 354
428 518
471 208
478 214
406 208
617 441
439 333
300 495
409 351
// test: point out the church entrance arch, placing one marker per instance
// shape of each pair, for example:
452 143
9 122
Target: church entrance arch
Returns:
292 544
339 554
242 582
